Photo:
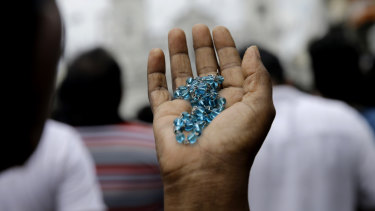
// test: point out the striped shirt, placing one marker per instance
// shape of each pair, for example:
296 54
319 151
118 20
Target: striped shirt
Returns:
126 165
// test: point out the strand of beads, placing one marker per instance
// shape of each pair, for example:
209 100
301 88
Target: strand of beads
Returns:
202 93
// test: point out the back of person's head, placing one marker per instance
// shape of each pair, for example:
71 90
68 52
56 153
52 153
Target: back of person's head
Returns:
32 52
272 64
335 64
91 92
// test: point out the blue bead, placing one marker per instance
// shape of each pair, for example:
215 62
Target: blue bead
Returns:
201 90
215 85
208 78
207 118
180 137
214 113
212 103
192 138
189 126
177 129
189 80
213 96
208 109
201 103
200 118
220 79
199 110
185 114
182 88
194 83
201 123
206 96
222 101
184 92
178 122
176 94
198 129
202 86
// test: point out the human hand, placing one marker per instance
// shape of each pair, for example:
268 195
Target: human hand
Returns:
215 169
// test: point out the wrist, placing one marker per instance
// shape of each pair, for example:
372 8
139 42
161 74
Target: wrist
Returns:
220 188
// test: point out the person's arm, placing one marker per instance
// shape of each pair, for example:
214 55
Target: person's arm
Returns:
211 174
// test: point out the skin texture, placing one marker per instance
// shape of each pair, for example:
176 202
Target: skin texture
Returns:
213 173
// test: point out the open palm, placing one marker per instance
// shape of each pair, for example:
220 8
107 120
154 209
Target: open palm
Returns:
233 138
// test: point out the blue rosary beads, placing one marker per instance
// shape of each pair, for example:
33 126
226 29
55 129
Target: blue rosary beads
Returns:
202 93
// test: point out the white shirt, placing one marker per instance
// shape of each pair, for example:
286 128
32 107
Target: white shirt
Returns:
58 176
319 155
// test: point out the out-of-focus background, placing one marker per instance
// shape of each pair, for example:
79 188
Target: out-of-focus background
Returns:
130 28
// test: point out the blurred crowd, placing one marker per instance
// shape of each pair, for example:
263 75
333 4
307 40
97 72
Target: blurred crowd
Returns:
318 155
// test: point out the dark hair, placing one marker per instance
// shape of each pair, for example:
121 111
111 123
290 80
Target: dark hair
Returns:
335 64
91 92
272 64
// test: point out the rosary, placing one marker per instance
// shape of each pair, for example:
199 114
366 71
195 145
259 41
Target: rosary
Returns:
202 93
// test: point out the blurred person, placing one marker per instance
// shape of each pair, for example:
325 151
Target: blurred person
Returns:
318 155
335 63
361 20
338 74
124 151
91 92
44 165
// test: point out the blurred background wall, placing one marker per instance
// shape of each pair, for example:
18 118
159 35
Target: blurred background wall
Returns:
130 28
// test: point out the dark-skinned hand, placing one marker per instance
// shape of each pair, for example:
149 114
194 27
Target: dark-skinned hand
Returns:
211 174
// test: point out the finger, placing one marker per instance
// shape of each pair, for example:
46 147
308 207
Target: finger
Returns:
229 59
257 84
180 62
157 84
205 58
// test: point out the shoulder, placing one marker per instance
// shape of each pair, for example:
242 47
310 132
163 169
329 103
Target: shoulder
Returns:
333 118
59 130
319 108
310 115
77 186
62 143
